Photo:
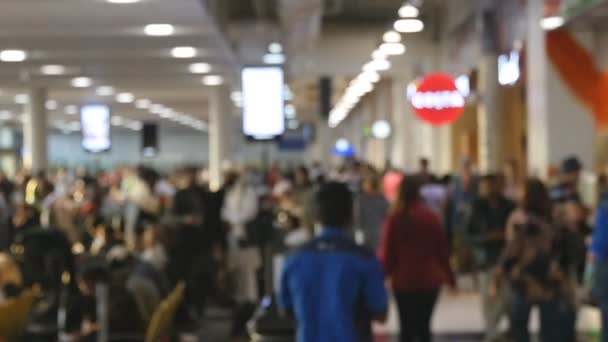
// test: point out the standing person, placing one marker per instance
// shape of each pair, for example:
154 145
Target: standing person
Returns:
424 171
240 208
372 208
415 255
512 180
304 196
599 255
537 268
332 286
487 232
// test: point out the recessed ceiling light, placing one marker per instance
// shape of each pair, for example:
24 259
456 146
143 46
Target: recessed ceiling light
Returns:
199 68
275 47
122 1
159 29
274 58
392 49
52 69
81 82
51 105
71 110
22 99
125 98
167 113
105 91
156 108
377 65
183 52
391 37
13 55
143 104
409 25
409 11
213 80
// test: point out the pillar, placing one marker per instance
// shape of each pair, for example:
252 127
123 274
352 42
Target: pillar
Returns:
35 156
488 119
558 124
220 115
404 144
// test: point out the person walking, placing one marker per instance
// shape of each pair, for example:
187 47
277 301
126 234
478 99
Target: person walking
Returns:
371 210
332 286
415 254
487 227
599 257
537 268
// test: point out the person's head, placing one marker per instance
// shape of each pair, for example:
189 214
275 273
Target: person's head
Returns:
409 192
489 186
25 216
230 179
424 165
151 237
535 199
301 177
571 170
335 205
371 185
575 213
186 177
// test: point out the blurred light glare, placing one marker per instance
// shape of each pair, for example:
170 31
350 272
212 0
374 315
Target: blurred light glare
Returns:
22 99
381 129
213 80
52 69
71 110
392 49
81 82
183 52
391 37
275 47
125 98
13 55
105 91
377 54
51 105
199 68
377 65
552 23
370 76
409 11
142 104
274 58
409 25
159 29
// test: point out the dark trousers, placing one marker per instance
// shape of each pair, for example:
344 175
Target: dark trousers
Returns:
415 313
600 293
557 319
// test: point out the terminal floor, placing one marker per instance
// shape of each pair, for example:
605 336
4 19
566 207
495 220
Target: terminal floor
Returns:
457 319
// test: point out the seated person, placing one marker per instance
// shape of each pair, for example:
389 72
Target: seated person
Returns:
154 252
103 238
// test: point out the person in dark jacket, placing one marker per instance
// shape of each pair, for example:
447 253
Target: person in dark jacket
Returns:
415 254
599 255
487 227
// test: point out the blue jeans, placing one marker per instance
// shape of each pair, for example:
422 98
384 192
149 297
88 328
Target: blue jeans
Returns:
600 293
557 319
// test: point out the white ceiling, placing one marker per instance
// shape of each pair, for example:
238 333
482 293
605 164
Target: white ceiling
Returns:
106 42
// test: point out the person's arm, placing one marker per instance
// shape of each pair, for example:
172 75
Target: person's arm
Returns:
376 294
443 249
387 251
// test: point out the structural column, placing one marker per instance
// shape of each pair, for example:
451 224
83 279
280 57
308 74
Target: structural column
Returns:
35 156
220 116
404 138
488 119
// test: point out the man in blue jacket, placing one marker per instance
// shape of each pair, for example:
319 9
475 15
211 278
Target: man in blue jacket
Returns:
332 286
599 253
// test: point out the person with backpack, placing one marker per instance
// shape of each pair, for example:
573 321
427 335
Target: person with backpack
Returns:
333 287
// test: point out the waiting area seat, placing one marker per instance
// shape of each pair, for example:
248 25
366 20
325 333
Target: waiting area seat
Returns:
15 314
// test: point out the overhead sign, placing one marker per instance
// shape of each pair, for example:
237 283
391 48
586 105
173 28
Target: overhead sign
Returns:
263 104
95 123
437 100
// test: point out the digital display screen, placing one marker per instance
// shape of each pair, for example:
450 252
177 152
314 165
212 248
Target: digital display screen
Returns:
263 104
95 125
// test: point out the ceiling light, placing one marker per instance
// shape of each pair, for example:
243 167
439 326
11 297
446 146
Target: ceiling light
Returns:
71 110
377 65
274 58
370 76
409 25
142 104
117 120
275 47
5 115
51 105
377 54
183 52
236 96
167 113
22 99
105 91
156 108
52 69
391 37
213 80
392 49
551 23
125 98
122 1
199 68
81 82
13 55
409 11
381 129
159 30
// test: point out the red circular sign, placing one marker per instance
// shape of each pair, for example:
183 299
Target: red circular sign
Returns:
437 100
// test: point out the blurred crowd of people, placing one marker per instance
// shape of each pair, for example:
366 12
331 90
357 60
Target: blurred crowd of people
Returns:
139 233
